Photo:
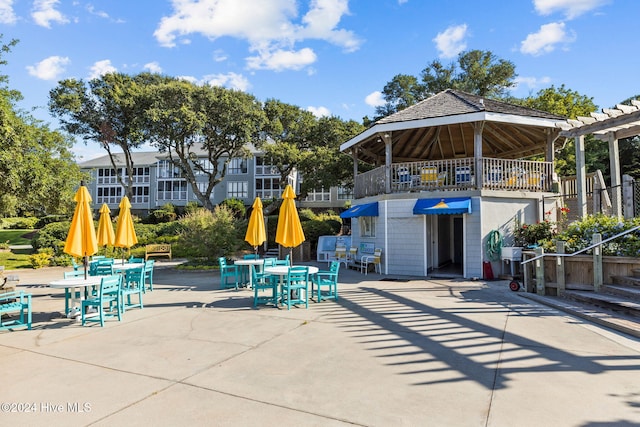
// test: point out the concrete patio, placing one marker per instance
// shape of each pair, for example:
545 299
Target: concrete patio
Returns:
399 352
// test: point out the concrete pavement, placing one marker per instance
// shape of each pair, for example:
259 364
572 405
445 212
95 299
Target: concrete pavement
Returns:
399 352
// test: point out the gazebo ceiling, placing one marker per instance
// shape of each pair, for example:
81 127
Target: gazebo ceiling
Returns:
442 127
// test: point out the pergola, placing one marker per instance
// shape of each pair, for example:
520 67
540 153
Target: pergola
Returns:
611 125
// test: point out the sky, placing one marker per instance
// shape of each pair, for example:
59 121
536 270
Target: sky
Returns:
331 57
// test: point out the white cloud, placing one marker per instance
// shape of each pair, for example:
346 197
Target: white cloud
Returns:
375 99
319 111
229 80
280 60
271 28
571 8
50 68
44 12
531 82
451 42
6 12
219 55
153 67
101 68
546 39
402 1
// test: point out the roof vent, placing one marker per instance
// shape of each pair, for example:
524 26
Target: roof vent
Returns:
482 102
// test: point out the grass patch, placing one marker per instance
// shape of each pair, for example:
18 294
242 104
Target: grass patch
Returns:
16 237
15 261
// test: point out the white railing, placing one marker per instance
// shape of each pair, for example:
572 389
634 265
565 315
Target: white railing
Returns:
456 175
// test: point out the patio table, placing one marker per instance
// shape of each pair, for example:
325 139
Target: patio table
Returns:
283 270
248 262
77 285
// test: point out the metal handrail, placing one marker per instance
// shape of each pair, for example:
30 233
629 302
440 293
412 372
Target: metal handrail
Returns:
582 250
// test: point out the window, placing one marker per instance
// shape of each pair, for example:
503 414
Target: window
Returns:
108 176
265 166
109 195
268 188
205 164
237 166
367 226
202 187
172 190
345 193
166 169
140 195
318 196
140 175
237 190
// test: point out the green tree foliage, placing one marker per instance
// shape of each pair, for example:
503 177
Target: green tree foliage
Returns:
106 110
38 171
476 71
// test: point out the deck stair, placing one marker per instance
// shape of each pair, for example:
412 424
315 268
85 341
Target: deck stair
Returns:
617 306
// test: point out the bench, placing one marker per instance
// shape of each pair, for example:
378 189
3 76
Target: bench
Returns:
157 249
11 302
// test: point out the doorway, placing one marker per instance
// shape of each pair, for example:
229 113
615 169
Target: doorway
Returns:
449 247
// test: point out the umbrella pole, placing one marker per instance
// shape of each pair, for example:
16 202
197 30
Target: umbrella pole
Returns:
85 263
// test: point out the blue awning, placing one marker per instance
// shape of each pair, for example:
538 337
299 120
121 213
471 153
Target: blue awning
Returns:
369 209
446 206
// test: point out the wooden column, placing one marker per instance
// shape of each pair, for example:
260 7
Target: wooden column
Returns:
386 138
354 155
477 152
616 182
627 196
581 177
597 263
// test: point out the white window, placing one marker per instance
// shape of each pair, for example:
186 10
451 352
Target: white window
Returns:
367 226
237 190
264 167
268 188
202 187
109 195
237 166
205 164
140 195
166 169
108 176
318 196
172 190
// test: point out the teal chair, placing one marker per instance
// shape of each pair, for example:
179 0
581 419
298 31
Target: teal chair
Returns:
296 284
105 302
101 267
148 275
263 282
133 260
75 265
270 262
67 291
326 283
284 261
11 302
246 271
227 273
133 284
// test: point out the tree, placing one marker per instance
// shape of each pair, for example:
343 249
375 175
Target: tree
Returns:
37 168
202 128
106 110
477 72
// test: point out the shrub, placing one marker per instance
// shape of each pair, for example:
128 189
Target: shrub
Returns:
166 213
50 219
236 207
51 236
42 258
207 234
27 223
314 229
579 235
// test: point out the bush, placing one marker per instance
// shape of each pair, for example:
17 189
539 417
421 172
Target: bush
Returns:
314 229
207 234
166 213
50 219
41 259
51 236
27 223
236 207
579 235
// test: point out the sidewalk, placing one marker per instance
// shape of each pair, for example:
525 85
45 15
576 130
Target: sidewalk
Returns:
393 351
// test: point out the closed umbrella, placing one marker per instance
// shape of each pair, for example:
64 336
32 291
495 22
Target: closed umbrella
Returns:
289 231
106 236
125 233
81 239
256 234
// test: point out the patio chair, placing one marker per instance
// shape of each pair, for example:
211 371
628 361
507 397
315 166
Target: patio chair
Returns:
297 281
228 272
244 270
404 177
132 284
148 275
133 260
67 291
102 267
263 282
11 302
328 280
105 302
374 259
430 177
284 261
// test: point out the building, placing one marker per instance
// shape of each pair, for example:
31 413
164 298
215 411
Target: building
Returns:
447 172
156 182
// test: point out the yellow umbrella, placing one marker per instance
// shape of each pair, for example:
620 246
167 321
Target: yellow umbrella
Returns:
105 227
125 233
256 234
81 239
289 232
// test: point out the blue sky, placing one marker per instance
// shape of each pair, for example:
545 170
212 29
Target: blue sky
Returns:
332 57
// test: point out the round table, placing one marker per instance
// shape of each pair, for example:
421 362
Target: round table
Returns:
78 284
248 262
283 270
